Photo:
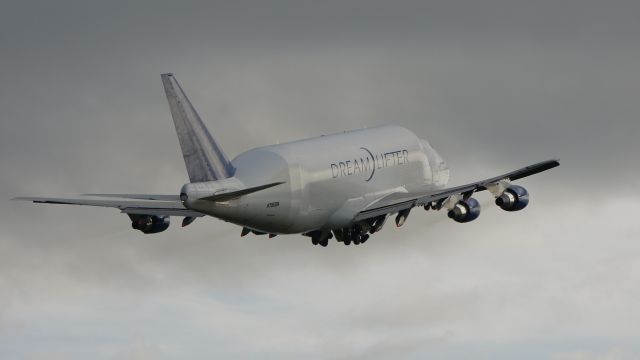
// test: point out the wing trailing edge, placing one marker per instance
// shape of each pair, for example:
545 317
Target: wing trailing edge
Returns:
139 196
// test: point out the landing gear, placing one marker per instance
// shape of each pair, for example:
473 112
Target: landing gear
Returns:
356 234
319 237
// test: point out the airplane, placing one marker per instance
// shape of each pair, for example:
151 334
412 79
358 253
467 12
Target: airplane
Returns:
343 185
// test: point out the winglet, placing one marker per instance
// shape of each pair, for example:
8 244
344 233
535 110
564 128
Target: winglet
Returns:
203 156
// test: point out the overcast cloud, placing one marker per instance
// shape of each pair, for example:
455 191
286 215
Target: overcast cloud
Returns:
493 85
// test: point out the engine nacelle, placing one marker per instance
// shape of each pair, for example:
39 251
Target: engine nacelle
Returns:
465 211
149 224
514 198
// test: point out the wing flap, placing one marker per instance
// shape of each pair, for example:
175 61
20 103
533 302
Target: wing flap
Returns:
162 212
386 209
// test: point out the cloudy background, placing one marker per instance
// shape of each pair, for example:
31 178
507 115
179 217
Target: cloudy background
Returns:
494 85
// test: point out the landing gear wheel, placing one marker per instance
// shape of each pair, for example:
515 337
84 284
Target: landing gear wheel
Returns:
314 240
347 241
324 242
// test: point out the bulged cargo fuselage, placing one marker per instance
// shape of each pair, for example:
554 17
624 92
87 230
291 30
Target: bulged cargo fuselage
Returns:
327 180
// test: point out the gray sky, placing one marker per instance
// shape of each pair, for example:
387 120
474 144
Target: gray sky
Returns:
493 85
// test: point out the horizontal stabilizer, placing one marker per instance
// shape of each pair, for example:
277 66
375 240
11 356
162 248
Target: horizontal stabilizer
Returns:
236 194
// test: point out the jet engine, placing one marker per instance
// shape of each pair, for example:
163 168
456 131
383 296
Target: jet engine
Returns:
465 211
514 198
149 224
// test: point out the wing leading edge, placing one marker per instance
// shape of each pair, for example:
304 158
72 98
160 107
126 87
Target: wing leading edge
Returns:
407 201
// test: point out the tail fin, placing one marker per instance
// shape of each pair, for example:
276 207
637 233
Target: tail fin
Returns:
203 156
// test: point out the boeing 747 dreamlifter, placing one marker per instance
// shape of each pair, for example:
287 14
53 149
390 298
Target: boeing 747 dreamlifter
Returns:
343 185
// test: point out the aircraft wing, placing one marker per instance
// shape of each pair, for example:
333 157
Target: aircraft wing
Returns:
139 196
402 201
134 204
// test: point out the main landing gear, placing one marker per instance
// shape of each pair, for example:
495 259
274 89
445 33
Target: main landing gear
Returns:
355 234
319 237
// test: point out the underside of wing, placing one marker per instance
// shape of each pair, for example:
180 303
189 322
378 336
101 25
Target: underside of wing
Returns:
498 185
139 196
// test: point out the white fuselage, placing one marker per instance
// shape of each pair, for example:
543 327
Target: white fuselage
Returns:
327 179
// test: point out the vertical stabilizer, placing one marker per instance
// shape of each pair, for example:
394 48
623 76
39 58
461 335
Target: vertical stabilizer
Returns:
202 154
